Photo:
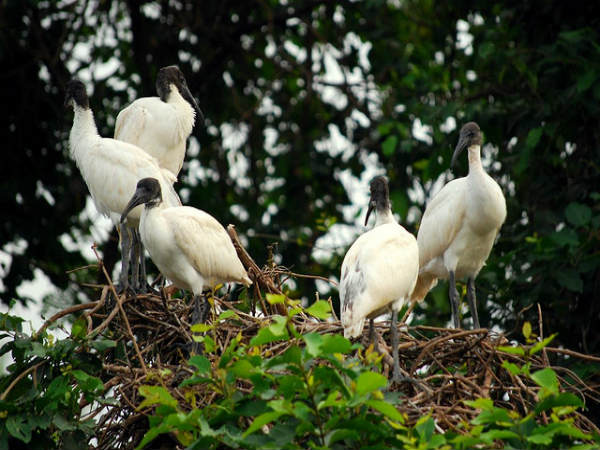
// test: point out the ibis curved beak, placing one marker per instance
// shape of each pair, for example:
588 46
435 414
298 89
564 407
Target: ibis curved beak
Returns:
136 200
369 211
186 94
462 143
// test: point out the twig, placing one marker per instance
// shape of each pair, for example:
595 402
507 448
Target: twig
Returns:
19 378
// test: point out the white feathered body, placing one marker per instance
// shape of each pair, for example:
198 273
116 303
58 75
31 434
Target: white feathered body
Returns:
160 128
111 168
459 227
379 272
190 247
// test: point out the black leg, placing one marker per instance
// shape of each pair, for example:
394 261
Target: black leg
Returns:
394 330
144 285
453 295
373 335
135 260
199 314
472 302
125 258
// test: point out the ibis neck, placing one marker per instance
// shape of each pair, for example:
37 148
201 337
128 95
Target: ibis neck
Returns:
475 159
384 216
186 114
84 127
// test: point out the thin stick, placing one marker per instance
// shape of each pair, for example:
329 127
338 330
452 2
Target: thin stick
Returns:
64 312
123 315
19 378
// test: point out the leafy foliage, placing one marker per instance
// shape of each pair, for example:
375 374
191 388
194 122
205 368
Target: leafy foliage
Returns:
48 384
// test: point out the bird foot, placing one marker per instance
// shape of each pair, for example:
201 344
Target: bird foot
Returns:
125 288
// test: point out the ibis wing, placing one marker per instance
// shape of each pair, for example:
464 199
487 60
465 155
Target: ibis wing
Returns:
206 245
441 221
131 123
112 169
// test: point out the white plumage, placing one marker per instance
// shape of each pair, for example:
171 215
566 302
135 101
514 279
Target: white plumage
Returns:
161 125
379 270
111 168
459 227
189 246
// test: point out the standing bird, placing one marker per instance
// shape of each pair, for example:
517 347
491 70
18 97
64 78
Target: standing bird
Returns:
161 125
459 227
379 271
111 169
189 246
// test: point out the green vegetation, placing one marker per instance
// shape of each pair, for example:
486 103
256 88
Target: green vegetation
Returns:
320 392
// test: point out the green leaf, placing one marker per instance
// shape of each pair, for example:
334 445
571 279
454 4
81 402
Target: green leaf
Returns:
319 309
275 299
586 80
226 315
546 378
566 236
335 343
578 214
493 435
156 395
386 409
512 350
103 344
512 368
87 382
339 435
540 345
533 137
389 145
18 428
569 279
201 363
526 330
484 404
274 332
201 327
79 328
314 342
369 382
425 427
563 399
262 420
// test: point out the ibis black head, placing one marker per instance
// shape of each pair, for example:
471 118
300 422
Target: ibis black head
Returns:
380 196
147 192
76 94
470 134
172 75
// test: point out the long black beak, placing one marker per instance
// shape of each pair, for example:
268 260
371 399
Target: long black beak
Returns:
192 101
462 143
369 211
136 200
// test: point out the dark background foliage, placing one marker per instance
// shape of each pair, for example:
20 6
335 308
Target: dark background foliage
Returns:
529 77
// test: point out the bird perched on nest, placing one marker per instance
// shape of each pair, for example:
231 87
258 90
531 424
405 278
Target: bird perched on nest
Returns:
459 227
189 246
160 126
111 169
379 271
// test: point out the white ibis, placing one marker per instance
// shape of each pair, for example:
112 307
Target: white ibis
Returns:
459 227
111 169
379 271
161 125
189 246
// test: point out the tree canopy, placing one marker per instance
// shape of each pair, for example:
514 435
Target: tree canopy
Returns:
303 100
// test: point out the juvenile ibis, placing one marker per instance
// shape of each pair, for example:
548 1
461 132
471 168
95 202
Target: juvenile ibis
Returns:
111 169
161 125
189 246
459 227
379 271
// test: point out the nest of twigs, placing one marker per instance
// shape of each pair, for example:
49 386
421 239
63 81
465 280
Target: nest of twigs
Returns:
154 332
